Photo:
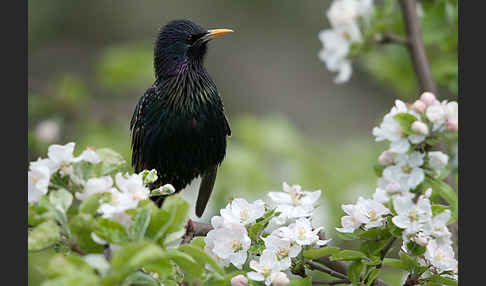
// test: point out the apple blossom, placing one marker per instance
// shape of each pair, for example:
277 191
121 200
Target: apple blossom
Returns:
441 256
419 106
267 265
230 244
283 247
280 279
47 131
240 211
95 185
386 158
239 280
334 54
293 202
302 233
37 182
411 216
374 211
437 160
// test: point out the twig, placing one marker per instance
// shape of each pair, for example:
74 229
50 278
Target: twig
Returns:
315 266
388 38
416 46
385 250
330 282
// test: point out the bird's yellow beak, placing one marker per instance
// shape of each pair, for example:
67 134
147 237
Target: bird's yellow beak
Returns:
218 32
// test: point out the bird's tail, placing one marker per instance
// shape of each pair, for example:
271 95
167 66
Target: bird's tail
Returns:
205 189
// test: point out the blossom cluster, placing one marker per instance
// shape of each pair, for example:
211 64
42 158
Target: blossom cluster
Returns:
287 231
345 17
411 130
126 191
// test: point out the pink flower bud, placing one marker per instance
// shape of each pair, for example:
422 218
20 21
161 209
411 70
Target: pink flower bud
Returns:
428 98
419 106
420 128
385 158
452 125
428 193
239 280
421 240
280 279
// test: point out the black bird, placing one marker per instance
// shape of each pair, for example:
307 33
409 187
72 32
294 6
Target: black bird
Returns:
179 127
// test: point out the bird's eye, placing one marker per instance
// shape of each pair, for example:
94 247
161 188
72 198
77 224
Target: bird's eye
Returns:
190 39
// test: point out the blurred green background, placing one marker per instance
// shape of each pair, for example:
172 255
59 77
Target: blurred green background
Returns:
90 61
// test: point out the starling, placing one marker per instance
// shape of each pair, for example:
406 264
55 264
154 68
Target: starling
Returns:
179 127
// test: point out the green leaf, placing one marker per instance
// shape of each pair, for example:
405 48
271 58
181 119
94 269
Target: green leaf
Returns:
320 252
140 224
255 230
346 236
131 257
149 177
374 234
378 168
61 199
189 266
111 161
301 282
416 249
372 276
443 280
111 231
445 191
198 241
437 209
40 212
202 257
164 190
93 202
409 262
73 279
81 226
178 209
372 247
62 265
347 255
405 121
43 235
393 262
354 271
140 278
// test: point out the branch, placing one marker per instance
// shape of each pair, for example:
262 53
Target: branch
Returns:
420 62
416 46
330 282
315 266
388 38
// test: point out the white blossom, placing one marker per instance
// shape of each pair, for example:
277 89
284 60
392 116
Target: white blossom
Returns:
437 115
265 268
96 185
37 182
381 196
343 16
353 220
283 247
374 211
61 156
240 211
89 155
293 202
390 129
437 160
228 244
411 216
280 279
386 158
437 228
334 54
441 256
407 171
132 185
302 233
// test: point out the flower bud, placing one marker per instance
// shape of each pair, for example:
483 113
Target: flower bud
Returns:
436 113
239 280
420 128
385 158
47 131
280 279
421 240
428 98
419 106
452 125
437 160
428 193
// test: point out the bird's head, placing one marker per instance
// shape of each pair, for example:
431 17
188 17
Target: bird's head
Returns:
181 43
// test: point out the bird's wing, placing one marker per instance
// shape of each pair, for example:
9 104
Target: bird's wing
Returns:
205 189
137 127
